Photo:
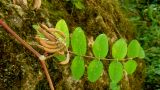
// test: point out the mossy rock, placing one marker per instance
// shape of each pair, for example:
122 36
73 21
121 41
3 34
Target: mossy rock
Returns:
20 70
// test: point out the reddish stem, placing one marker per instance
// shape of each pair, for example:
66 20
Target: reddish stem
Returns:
8 29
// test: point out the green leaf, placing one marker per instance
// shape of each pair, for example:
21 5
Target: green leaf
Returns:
77 67
60 57
79 5
114 86
115 71
36 27
130 66
78 42
133 49
141 53
95 70
119 49
62 26
100 46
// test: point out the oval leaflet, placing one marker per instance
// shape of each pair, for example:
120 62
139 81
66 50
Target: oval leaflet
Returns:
119 49
100 46
94 70
77 67
115 71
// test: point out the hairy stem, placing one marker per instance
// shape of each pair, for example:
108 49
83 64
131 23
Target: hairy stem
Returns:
41 57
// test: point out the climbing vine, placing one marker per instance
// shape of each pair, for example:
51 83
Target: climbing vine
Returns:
57 41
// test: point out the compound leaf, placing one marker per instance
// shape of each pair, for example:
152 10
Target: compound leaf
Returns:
119 49
77 67
115 71
100 46
95 70
78 42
